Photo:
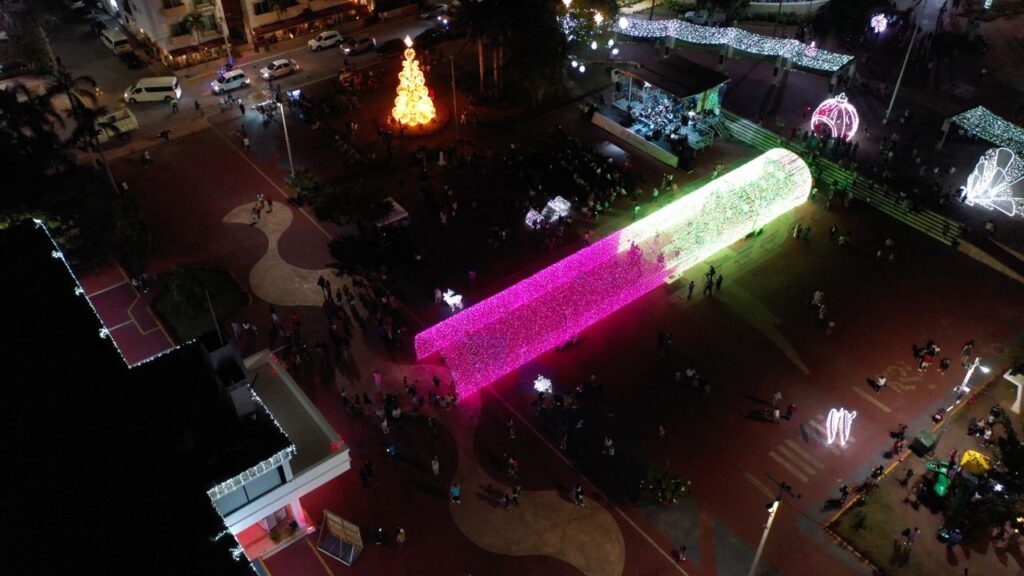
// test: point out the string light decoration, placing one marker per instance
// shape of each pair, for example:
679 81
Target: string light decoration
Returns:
838 116
879 23
991 184
499 334
104 332
542 384
413 106
983 123
794 51
838 425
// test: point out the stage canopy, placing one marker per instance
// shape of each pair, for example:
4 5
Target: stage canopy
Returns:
679 76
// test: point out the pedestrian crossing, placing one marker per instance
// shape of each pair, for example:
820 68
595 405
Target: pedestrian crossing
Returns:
930 223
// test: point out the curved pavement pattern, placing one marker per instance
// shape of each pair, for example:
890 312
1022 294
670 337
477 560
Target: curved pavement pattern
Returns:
272 279
544 523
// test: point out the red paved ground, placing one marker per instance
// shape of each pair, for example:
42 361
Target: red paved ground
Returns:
880 309
125 313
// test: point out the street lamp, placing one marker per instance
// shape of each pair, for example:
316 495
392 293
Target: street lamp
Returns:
963 388
772 509
287 142
899 79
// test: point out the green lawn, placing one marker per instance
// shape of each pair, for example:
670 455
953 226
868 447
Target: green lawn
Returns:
182 303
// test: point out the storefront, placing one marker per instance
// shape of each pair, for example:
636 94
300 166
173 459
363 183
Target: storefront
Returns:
308 22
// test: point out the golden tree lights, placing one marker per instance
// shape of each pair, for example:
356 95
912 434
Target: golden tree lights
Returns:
413 105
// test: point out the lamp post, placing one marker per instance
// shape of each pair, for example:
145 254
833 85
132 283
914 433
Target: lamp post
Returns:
778 16
772 509
287 141
902 69
455 112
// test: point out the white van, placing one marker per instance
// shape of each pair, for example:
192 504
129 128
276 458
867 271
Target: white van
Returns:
122 122
160 88
115 40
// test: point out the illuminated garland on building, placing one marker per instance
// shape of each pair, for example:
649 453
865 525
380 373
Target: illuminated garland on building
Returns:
104 332
795 52
503 332
983 123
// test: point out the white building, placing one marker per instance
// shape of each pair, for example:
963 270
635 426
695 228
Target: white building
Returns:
261 506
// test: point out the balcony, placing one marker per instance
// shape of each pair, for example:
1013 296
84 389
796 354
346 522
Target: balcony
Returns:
203 5
174 9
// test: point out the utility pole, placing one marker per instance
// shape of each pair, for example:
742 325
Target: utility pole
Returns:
287 142
902 69
772 509
455 112
778 16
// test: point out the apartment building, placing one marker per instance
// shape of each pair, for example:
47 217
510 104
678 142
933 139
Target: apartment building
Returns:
187 32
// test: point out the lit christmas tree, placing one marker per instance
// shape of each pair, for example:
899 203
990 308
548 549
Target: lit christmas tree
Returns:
412 105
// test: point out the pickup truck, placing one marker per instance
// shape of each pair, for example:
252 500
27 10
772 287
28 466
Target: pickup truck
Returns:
125 122
704 18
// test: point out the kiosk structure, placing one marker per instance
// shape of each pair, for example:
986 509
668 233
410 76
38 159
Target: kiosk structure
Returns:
667 109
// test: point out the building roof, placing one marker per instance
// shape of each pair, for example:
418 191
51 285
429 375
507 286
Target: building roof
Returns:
679 76
114 462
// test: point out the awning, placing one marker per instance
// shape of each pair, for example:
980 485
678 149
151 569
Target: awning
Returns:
310 16
208 44
679 76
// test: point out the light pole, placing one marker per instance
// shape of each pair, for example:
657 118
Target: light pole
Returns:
902 69
962 388
778 16
455 104
772 509
287 142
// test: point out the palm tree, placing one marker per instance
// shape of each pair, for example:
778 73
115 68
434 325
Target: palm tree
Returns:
29 146
80 92
281 6
195 23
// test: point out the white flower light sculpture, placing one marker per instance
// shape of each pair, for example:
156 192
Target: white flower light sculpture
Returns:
542 384
838 115
879 23
991 183
838 425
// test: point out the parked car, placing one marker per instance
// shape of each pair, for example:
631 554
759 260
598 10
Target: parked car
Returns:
429 38
228 81
392 47
279 68
704 18
131 60
325 39
123 124
433 11
352 46
13 69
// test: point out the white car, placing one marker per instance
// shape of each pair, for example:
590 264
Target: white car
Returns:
279 68
325 40
353 46
433 11
229 81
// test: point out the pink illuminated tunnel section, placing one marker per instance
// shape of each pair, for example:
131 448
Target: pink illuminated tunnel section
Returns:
490 339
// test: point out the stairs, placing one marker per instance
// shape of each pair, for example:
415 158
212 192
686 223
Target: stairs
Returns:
930 223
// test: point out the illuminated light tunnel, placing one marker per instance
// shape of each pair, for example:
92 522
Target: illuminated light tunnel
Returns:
490 339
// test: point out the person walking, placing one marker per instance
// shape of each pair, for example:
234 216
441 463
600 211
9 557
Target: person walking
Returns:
245 143
689 289
790 410
965 353
174 105
880 383
776 397
718 283
199 108
455 493
147 160
435 466
577 495
400 537
241 108
516 491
